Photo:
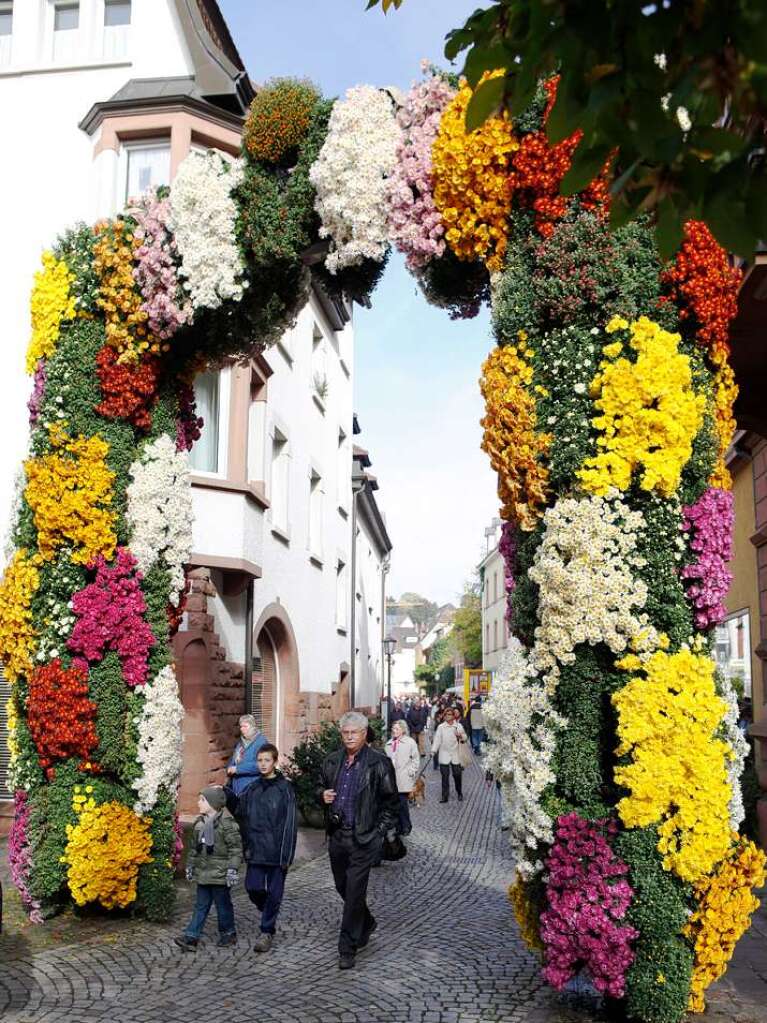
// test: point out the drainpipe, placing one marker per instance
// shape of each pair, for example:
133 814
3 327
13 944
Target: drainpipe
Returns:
248 667
385 565
359 481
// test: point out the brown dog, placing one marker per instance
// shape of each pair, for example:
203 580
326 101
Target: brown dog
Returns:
418 795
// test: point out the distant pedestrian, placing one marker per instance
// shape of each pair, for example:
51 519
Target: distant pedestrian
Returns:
447 746
403 753
477 722
358 789
214 863
266 814
398 713
242 768
417 719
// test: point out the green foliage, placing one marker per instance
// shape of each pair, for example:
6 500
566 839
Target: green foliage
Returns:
306 761
355 282
582 757
524 599
156 586
75 247
118 711
155 892
278 120
646 82
420 609
659 911
662 546
453 284
466 635
751 793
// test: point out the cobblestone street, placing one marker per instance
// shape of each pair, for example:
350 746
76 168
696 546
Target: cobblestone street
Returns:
446 950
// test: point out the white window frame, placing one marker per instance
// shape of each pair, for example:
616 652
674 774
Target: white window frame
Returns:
115 39
224 402
278 437
124 163
76 50
315 515
6 41
342 595
344 471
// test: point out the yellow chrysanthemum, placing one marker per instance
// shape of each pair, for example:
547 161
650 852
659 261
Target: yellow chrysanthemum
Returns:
472 186
526 915
650 412
51 303
17 631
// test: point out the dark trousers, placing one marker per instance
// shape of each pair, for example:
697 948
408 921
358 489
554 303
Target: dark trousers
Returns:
477 738
265 887
351 863
207 894
404 824
457 771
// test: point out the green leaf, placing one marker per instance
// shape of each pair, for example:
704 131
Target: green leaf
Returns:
484 102
717 140
669 229
566 115
731 224
586 164
481 58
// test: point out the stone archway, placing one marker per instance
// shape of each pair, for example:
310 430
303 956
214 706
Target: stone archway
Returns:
276 699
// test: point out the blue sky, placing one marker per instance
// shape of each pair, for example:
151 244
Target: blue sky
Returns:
416 373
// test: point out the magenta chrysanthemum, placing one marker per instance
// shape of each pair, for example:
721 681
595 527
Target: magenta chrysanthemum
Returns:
588 896
710 522
110 613
414 222
35 402
20 856
156 271
507 548
188 424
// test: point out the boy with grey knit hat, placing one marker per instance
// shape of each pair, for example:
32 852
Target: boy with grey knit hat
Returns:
214 863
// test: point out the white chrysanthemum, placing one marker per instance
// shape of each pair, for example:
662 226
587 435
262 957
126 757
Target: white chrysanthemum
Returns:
160 740
202 218
521 726
159 512
739 745
588 592
350 173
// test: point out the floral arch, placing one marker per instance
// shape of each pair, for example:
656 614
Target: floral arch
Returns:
608 411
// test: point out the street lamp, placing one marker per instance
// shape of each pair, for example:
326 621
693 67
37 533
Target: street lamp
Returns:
389 644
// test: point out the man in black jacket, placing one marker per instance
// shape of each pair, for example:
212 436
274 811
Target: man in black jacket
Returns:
358 790
417 717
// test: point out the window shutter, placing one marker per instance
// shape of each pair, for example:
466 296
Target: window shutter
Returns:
5 753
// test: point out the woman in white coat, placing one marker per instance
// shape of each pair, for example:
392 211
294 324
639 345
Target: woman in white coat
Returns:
403 753
447 743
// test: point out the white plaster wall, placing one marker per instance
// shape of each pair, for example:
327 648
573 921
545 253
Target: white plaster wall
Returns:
369 617
47 179
307 590
227 525
403 668
493 612
229 618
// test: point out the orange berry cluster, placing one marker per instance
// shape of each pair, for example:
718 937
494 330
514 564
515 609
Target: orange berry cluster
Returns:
129 390
279 119
119 298
60 715
703 284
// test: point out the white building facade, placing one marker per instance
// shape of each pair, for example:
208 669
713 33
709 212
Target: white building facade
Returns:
495 629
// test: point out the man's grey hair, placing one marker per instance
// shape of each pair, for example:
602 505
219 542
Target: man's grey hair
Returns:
249 718
354 719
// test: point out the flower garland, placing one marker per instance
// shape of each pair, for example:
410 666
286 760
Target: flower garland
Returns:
104 851
725 902
278 120
725 393
20 854
159 513
739 751
585 568
188 424
110 613
472 185
517 451
159 740
710 521
507 548
156 268
650 412
119 299
17 626
70 493
202 217
414 223
521 725
51 304
36 398
668 715
526 915
61 717
350 174
588 895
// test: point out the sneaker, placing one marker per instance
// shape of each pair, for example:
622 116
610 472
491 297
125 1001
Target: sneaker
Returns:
346 962
226 939
185 942
262 943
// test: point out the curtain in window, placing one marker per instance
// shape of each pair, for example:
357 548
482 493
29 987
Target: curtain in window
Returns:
204 455
148 167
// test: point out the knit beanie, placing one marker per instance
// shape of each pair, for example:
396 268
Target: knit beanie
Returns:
215 796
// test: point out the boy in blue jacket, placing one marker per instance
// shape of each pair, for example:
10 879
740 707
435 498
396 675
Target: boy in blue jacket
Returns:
266 814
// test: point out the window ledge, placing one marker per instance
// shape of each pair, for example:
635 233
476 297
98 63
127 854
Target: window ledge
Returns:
341 630
316 559
344 367
318 402
343 511
285 352
53 69
281 534
250 491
